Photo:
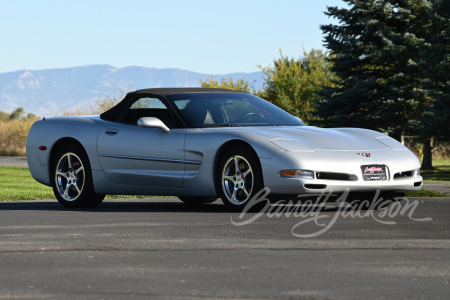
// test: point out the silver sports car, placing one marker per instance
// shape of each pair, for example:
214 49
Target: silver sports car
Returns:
200 144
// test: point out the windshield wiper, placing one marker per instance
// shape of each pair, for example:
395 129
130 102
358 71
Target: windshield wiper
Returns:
222 125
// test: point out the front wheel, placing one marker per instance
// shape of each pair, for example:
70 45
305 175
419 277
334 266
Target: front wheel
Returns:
239 177
72 179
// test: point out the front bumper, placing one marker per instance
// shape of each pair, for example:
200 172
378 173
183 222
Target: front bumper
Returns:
341 162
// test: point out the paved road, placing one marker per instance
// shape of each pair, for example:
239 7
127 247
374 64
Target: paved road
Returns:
440 187
162 249
8 161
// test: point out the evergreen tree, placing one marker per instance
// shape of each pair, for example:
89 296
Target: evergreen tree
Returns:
375 53
436 74
393 58
441 17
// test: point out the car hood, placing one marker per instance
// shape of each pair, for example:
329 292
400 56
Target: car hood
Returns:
308 138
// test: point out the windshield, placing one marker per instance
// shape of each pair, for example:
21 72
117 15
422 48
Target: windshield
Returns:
230 109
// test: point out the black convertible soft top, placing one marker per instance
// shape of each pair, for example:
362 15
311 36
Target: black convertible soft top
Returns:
171 91
115 114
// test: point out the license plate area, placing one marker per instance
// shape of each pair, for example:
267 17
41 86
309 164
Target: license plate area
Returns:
374 172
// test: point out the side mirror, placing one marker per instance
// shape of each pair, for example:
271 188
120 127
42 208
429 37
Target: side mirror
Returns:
150 122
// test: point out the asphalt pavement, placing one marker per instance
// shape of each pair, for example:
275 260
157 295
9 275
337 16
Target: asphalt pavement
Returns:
13 161
163 249
440 187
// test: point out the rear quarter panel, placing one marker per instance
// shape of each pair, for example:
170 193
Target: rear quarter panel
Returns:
48 132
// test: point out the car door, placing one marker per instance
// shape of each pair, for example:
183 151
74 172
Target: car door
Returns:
133 155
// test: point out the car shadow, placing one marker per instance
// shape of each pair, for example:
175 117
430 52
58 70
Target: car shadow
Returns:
144 205
132 205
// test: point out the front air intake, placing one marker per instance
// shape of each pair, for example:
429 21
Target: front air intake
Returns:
401 175
315 186
332 176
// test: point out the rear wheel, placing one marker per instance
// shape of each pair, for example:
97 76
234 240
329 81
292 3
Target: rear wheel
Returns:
238 177
72 178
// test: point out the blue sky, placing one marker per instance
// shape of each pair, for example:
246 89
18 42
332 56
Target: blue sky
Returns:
215 37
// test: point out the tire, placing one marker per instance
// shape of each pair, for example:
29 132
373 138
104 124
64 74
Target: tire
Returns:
236 186
71 178
196 200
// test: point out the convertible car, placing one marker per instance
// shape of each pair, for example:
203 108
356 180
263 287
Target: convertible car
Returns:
201 144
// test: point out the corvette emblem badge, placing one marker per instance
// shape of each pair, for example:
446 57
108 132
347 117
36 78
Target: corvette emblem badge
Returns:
364 154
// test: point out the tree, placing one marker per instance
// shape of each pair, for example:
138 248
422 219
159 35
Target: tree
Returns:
17 114
292 84
436 74
226 83
31 116
378 52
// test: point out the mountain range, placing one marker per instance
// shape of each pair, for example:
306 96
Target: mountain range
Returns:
50 92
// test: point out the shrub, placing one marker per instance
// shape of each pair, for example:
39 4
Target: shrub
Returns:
13 136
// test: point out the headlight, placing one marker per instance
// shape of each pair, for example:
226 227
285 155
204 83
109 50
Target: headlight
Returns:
297 173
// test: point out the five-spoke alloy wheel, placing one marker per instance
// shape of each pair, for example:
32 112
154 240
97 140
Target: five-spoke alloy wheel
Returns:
69 176
239 178
72 178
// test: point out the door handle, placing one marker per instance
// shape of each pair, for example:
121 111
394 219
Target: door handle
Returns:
111 131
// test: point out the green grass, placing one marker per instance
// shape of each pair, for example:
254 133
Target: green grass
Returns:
17 184
425 193
441 172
